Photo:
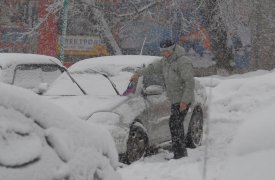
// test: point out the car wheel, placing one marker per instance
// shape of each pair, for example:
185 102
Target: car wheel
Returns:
195 129
137 144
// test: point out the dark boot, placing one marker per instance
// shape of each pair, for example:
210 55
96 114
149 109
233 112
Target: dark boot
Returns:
178 155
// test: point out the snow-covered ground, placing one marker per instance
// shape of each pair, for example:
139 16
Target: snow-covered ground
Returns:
240 141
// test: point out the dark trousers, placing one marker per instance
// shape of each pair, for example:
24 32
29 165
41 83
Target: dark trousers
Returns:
177 131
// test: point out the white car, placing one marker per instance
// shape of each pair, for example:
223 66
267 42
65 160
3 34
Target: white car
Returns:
138 121
39 140
28 70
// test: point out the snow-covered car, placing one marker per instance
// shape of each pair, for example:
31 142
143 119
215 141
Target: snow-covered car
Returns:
39 140
137 121
28 70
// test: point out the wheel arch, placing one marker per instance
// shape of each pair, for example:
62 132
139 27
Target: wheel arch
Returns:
137 123
136 127
190 143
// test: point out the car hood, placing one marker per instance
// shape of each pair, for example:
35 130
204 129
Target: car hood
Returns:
85 106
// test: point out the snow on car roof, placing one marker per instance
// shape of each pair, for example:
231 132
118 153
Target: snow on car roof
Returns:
118 62
7 59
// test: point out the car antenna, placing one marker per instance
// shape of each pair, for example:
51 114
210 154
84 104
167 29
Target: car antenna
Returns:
141 51
112 83
73 80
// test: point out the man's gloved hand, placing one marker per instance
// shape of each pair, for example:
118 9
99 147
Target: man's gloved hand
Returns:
134 77
183 106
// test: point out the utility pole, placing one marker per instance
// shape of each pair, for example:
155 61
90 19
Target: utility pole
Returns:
64 29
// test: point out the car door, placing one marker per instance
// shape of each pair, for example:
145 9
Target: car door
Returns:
157 108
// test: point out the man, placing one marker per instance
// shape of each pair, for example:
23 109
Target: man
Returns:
177 71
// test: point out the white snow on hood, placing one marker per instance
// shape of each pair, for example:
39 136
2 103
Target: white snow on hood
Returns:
68 135
15 149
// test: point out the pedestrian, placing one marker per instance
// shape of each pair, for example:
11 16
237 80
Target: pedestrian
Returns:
177 71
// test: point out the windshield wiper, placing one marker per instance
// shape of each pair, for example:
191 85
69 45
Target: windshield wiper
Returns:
73 80
106 76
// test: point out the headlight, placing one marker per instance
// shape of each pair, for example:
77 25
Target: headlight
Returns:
105 118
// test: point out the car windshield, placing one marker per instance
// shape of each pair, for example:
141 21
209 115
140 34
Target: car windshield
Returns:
92 82
31 75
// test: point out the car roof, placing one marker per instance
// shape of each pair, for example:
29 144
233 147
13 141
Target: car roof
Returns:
7 59
122 61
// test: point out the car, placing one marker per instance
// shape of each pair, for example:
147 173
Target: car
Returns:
39 140
136 114
29 71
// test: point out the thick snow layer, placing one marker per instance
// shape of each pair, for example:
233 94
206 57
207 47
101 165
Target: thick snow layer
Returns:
88 164
19 145
27 121
253 166
257 133
12 59
114 63
253 148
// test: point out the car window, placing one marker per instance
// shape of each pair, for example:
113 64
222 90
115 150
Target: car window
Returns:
149 80
31 75
49 68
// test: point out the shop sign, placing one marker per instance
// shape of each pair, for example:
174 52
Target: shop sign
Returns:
84 45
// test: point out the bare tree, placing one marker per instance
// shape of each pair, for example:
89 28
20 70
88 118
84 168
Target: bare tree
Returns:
106 19
253 21
263 34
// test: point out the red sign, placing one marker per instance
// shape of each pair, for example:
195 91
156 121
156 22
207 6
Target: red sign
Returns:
48 37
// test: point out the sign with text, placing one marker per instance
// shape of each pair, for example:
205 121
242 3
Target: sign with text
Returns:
81 43
84 45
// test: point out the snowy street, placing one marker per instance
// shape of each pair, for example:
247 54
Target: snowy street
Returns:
137 89
237 142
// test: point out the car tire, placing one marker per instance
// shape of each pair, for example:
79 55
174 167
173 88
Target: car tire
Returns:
137 144
195 129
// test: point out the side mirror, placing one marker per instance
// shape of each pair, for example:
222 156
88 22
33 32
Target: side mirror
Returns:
42 87
153 90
